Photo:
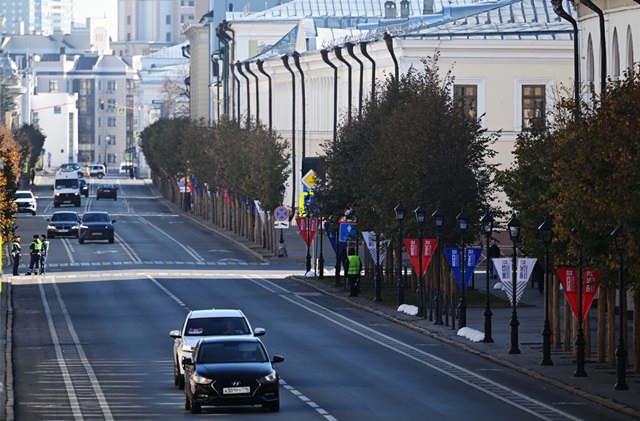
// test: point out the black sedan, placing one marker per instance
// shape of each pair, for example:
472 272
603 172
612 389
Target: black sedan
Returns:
96 226
84 187
64 223
107 191
231 371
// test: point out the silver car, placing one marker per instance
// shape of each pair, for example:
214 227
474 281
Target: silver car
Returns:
201 324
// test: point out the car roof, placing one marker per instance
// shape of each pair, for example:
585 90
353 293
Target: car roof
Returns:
65 213
201 314
95 213
24 191
227 338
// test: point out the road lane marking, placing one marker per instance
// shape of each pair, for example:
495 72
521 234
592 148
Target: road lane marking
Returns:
189 250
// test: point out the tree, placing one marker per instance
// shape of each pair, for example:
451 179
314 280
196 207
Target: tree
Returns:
11 155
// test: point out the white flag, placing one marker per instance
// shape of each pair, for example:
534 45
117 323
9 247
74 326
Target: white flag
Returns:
505 272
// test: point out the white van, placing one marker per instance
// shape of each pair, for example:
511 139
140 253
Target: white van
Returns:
66 188
124 167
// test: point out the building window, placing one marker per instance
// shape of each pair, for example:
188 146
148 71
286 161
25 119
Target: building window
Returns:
53 86
167 20
111 104
57 110
111 122
128 36
36 119
128 20
533 104
466 97
110 139
168 37
112 85
111 158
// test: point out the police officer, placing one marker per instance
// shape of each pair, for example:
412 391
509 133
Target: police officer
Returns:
353 274
34 252
44 252
16 249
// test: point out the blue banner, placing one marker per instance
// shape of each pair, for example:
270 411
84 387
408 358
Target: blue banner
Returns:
453 257
331 235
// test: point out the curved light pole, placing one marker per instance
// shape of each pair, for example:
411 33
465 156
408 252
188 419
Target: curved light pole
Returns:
514 233
421 214
463 224
487 227
621 352
438 219
546 235
400 211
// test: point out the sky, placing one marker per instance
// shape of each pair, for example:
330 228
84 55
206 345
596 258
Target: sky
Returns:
91 8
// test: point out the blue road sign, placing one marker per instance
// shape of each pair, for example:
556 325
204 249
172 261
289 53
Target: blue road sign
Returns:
348 232
281 213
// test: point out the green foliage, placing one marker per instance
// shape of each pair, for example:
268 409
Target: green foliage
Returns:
412 144
31 141
11 155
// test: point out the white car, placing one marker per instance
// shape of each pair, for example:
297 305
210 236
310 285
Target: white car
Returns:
201 324
26 201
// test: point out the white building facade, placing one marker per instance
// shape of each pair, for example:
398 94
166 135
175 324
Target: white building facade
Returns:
56 115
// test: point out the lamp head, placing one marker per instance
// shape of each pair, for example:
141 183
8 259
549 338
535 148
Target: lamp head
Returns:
618 238
463 220
438 217
546 231
400 211
514 228
421 213
487 223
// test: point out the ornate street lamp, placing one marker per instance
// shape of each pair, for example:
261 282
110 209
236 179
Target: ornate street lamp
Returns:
487 227
438 219
282 250
546 235
580 341
463 224
514 233
307 211
621 352
421 214
400 211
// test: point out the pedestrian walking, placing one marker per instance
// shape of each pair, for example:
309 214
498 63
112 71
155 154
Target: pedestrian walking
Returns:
44 252
33 176
34 252
494 252
16 254
355 266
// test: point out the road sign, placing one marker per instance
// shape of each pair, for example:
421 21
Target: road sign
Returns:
122 111
348 232
309 181
281 214
281 224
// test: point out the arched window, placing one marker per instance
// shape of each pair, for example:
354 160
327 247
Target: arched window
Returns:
590 66
615 57
629 48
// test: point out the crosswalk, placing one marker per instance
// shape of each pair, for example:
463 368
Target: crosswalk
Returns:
155 263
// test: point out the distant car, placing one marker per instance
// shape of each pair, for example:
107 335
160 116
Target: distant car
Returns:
25 201
84 187
96 226
97 171
201 324
73 166
107 191
231 371
63 223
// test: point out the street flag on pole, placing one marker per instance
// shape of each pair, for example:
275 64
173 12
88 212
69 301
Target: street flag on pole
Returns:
472 259
369 238
569 279
525 268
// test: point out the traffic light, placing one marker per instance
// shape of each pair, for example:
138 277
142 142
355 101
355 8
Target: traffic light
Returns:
101 104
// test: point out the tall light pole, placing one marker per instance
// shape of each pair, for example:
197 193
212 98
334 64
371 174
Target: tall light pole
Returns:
621 352
514 233
487 227
463 224
400 211
307 210
546 235
282 250
421 214
438 219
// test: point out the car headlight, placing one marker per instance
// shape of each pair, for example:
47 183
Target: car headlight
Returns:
57 194
51 227
187 348
84 227
269 378
201 380
74 227
76 194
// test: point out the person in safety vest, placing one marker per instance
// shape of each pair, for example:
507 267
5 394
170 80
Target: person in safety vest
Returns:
353 274
34 251
16 253
44 252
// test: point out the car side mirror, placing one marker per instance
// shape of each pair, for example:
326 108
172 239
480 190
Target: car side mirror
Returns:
175 334
259 331
187 361
277 359
52 188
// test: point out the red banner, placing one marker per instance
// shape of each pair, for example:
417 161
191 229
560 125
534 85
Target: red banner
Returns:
569 279
308 233
429 246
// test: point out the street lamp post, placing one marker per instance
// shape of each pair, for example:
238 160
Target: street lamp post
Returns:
400 211
282 250
546 235
307 210
463 224
438 219
514 233
580 340
621 352
336 282
421 214
321 255
487 227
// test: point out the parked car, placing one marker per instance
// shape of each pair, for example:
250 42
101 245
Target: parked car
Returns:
63 223
107 191
96 226
73 166
84 187
97 171
231 371
201 324
25 201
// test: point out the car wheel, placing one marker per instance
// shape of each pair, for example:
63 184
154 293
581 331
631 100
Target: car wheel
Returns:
111 240
273 406
56 205
33 213
80 240
97 197
115 198
187 403
100 175
196 408
51 235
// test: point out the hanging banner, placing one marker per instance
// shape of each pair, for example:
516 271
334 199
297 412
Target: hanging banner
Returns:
472 259
525 269
331 235
569 279
308 232
369 238
429 246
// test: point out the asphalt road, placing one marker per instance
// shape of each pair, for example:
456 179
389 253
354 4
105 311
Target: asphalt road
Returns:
90 338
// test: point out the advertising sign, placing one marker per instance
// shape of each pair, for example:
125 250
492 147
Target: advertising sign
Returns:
429 246
569 279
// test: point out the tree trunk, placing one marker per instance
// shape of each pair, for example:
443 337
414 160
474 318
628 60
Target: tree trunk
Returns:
636 332
555 297
602 325
586 327
566 338
611 327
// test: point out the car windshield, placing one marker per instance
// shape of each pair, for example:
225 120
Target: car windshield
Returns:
231 352
64 217
210 326
67 184
96 217
22 196
106 186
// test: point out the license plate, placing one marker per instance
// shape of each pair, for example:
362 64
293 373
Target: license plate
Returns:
63 230
66 201
96 234
236 390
